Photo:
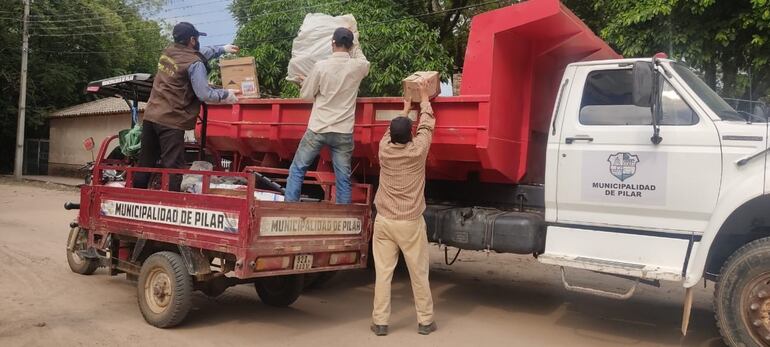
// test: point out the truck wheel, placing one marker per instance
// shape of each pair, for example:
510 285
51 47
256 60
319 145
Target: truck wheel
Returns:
742 297
164 290
279 291
79 264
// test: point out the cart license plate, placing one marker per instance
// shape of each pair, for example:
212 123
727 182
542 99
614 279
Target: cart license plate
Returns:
303 262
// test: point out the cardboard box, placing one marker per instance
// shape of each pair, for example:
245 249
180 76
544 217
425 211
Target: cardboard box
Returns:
240 74
411 88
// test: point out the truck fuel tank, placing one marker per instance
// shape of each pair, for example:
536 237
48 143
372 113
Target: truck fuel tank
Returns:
476 228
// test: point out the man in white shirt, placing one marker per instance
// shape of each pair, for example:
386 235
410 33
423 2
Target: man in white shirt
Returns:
333 86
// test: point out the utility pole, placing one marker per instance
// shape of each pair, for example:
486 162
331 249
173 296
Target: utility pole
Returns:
17 169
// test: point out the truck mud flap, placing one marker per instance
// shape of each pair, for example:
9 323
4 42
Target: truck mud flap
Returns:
476 228
196 262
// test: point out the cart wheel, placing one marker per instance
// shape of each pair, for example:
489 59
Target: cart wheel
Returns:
280 291
164 290
742 296
78 264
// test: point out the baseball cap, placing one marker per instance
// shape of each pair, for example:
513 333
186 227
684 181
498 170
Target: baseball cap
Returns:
401 130
343 37
184 31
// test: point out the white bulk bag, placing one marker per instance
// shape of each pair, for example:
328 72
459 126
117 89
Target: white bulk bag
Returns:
314 42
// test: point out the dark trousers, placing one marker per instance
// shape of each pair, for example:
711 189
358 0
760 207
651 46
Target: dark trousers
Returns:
165 144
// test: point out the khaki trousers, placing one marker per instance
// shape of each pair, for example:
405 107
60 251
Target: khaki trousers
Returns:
411 237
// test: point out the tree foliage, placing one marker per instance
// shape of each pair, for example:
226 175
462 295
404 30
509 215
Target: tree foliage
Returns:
75 41
452 20
72 42
395 43
726 40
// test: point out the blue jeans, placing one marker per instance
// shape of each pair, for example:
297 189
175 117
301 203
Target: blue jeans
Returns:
341 146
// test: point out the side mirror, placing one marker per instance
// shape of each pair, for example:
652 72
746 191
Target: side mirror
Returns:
642 91
88 144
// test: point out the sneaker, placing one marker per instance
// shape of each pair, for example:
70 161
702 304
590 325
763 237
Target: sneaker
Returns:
379 330
426 329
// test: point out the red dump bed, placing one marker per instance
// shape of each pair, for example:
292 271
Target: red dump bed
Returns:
496 128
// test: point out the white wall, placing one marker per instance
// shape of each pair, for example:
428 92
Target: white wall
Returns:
66 150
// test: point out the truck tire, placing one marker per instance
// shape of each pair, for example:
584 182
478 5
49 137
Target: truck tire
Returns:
164 290
78 264
742 296
280 291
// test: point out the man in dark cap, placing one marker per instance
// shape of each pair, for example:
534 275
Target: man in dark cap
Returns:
399 224
333 87
180 85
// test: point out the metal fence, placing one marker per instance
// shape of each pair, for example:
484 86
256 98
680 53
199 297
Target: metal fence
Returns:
36 157
757 108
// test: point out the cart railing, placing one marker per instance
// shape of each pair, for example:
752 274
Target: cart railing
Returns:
250 173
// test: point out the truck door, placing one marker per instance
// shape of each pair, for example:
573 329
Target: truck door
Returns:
623 204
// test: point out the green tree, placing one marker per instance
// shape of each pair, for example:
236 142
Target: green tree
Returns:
726 40
72 42
452 20
395 43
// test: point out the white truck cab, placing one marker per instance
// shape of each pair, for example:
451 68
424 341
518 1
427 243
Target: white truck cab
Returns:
650 174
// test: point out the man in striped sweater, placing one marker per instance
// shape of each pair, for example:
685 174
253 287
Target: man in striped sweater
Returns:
400 202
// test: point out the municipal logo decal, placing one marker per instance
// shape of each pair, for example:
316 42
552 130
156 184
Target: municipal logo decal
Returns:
623 165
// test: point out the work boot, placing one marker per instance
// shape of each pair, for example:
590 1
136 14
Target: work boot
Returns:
379 330
426 329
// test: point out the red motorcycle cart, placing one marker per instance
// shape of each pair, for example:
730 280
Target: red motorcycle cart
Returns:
174 243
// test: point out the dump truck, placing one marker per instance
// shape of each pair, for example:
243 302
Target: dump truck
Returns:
560 148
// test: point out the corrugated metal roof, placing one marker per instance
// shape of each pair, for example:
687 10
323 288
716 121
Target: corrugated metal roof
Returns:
104 106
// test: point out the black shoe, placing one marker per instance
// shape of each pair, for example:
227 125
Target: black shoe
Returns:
426 329
379 330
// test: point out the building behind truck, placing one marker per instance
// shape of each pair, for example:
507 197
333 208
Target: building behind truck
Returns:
69 127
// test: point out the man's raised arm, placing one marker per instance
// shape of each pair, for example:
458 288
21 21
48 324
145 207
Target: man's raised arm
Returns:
310 85
211 52
358 55
427 123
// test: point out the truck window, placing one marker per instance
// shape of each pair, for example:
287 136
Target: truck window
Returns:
705 93
675 110
607 101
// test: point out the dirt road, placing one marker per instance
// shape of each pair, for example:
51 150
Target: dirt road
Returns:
482 300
